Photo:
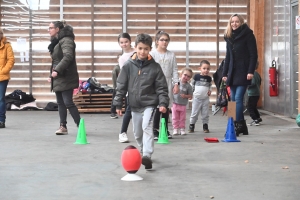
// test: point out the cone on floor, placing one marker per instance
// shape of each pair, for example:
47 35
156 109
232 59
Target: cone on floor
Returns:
163 133
81 135
230 135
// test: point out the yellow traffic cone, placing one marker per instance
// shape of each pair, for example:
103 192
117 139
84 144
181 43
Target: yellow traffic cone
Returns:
81 135
163 134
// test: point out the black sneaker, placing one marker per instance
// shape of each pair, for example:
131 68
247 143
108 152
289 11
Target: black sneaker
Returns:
205 128
169 135
155 134
191 128
113 116
256 122
147 162
259 120
2 125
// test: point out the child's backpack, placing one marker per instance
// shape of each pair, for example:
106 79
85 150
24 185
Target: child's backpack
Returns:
94 84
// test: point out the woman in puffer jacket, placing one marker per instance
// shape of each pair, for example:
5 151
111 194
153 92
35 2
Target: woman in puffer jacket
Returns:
7 61
63 72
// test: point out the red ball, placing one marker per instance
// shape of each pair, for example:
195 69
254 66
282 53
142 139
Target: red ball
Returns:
131 159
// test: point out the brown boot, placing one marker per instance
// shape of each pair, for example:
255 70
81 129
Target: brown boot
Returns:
62 130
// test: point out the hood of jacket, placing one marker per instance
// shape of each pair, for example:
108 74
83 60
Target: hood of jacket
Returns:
67 31
3 42
134 59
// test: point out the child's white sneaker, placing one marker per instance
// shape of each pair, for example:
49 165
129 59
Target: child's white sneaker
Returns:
175 131
182 131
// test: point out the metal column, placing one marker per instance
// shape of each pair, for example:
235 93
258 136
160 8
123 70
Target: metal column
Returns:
124 13
187 54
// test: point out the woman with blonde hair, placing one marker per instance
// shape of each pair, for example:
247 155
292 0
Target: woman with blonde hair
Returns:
7 60
240 63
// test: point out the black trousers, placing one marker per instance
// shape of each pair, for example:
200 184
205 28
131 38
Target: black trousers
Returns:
126 118
65 101
112 107
156 118
252 107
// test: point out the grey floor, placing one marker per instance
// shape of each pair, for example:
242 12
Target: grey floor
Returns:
37 164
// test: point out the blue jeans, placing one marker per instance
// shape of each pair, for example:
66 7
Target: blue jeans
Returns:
3 86
237 94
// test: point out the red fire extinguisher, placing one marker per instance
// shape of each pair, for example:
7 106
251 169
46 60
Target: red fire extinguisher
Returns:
273 88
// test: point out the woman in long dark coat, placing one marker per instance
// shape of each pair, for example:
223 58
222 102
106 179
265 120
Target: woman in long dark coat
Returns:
63 73
240 63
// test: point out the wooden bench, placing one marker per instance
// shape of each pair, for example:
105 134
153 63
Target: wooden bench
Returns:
92 103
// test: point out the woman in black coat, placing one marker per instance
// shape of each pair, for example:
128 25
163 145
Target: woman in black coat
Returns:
240 63
63 72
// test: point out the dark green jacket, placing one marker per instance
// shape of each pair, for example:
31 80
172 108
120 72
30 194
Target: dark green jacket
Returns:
115 74
253 89
64 62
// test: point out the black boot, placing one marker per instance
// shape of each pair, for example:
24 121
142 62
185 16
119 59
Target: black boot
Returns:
245 128
236 128
241 127
191 128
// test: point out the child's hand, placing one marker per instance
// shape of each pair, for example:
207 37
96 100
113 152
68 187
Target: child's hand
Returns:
49 80
209 93
54 74
175 89
162 109
119 112
182 95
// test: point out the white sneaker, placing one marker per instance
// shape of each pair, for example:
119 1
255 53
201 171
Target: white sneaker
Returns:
123 138
175 131
182 132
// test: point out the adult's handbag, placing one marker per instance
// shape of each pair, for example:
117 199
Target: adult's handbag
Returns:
222 99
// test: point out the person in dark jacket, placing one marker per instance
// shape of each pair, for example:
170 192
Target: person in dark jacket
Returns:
254 94
115 73
63 72
240 62
147 87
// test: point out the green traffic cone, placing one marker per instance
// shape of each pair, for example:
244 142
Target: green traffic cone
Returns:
163 134
81 135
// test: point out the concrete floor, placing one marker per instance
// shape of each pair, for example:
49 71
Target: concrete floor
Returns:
37 164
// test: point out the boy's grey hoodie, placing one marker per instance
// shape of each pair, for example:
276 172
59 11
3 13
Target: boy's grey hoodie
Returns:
145 83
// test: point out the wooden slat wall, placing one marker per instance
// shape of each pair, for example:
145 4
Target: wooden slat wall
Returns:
98 23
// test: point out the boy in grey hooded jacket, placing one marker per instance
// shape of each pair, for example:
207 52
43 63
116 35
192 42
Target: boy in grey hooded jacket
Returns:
147 87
